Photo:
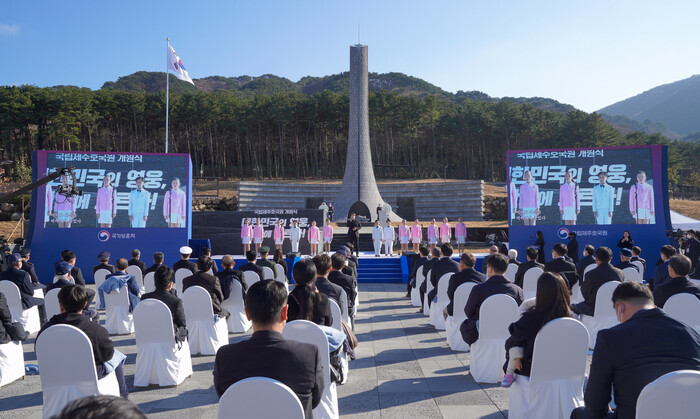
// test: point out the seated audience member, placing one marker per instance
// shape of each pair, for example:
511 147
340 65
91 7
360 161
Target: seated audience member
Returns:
424 251
346 282
661 271
5 320
62 272
265 262
551 302
268 354
278 258
679 266
594 279
351 261
185 262
101 407
163 280
251 256
118 279
495 284
209 282
513 257
103 258
158 259
323 285
588 259
28 267
207 252
228 275
467 273
625 260
72 300
23 281
492 251
352 258
305 301
444 265
427 266
561 265
531 255
136 261
636 256
644 346
77 275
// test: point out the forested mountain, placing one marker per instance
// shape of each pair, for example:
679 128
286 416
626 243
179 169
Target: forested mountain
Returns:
675 105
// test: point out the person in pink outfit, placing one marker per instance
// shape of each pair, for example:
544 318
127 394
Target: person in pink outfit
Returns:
461 234
64 206
257 234
512 200
279 235
404 236
106 205
529 207
327 236
445 231
246 235
175 205
416 235
432 234
642 200
569 204
313 236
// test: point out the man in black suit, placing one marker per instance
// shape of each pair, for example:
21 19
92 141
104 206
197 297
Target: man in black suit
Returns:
625 260
77 275
228 275
644 346
444 265
531 254
23 281
354 227
417 264
427 265
661 271
679 266
103 258
495 284
594 279
492 251
323 285
346 282
251 256
207 252
636 252
158 259
209 282
185 262
560 265
588 259
28 267
692 250
136 261
466 274
163 280
572 247
268 354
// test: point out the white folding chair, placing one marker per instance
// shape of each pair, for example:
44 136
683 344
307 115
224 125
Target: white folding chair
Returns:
672 395
337 315
281 277
576 295
530 282
244 398
452 324
586 270
555 385
436 308
67 364
159 360
488 353
250 278
639 265
238 321
51 303
181 274
306 331
267 273
604 313
149 283
415 292
631 274
99 278
118 320
344 306
29 317
135 271
428 287
684 307
511 271
11 362
206 335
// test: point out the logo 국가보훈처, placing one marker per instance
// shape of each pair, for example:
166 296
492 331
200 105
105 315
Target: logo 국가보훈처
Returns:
103 235
563 233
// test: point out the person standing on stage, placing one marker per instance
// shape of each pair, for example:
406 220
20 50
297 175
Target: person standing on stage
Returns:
246 235
461 233
529 201
569 204
175 205
64 206
404 235
432 234
330 212
313 235
106 205
279 235
603 200
642 200
377 238
389 237
445 231
354 227
138 205
295 236
416 235
327 236
257 234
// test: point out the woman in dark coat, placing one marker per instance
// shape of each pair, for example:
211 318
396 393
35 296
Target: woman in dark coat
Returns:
305 302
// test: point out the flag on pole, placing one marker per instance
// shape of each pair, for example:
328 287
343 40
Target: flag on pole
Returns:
175 64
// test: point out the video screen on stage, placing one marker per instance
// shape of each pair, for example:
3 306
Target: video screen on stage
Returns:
118 190
591 186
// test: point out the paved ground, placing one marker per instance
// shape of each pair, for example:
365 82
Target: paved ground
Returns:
404 369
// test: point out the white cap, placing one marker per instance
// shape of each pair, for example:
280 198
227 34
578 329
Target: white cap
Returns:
185 250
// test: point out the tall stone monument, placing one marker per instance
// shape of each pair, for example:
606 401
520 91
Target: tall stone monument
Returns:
359 192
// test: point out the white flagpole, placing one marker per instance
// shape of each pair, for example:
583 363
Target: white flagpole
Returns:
167 90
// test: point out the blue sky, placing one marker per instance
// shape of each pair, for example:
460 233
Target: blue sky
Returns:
588 54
